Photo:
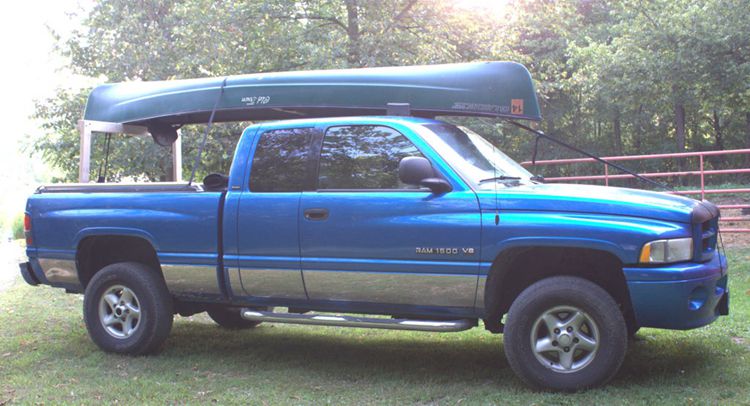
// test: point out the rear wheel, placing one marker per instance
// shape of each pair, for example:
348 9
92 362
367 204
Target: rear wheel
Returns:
230 318
565 333
128 309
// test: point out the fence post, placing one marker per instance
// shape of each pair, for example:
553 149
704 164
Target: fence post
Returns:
703 183
606 175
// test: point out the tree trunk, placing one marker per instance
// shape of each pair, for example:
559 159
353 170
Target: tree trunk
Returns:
679 116
695 138
717 131
353 56
640 130
617 130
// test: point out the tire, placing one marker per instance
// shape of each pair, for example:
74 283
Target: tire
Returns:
230 318
590 345
128 309
632 331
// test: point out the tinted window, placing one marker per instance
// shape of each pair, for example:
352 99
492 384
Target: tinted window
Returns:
280 161
363 157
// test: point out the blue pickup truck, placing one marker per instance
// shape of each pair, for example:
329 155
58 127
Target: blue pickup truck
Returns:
375 212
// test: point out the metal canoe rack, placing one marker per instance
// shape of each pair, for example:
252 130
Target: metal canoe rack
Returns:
86 129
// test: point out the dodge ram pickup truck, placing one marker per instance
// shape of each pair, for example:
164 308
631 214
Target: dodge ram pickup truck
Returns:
375 211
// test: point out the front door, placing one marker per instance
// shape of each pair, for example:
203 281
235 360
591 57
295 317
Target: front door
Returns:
366 237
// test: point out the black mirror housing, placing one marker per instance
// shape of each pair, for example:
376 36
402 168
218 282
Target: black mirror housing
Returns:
412 169
417 170
437 185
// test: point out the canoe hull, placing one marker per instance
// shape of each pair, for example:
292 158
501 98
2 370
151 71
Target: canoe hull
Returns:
491 89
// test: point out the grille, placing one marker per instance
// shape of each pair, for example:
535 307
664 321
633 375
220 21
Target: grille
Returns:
709 236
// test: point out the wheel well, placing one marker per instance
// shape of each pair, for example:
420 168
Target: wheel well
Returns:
516 269
94 253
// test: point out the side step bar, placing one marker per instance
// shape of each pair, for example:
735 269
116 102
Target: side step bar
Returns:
361 322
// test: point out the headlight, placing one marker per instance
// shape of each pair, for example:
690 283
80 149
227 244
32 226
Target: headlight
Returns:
667 251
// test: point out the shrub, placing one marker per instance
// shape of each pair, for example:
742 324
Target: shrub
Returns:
17 227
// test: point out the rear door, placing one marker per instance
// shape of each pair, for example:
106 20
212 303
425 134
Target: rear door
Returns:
366 237
268 223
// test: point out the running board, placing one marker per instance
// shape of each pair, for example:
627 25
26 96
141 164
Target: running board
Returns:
444 326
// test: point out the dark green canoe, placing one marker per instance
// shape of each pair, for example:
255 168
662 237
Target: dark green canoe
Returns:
492 89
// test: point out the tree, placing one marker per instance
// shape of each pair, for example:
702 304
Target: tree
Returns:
125 40
616 77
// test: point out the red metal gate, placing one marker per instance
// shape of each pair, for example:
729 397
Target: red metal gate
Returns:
701 171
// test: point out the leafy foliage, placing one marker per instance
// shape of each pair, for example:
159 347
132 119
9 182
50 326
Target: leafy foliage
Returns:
617 77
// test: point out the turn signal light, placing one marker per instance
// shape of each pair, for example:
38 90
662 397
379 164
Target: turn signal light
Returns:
27 229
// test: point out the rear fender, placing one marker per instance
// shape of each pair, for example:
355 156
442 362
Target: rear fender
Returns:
114 231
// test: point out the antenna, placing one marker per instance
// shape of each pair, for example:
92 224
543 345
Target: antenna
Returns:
494 168
592 156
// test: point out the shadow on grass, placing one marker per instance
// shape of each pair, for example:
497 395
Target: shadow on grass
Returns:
347 355
653 362
342 354
339 356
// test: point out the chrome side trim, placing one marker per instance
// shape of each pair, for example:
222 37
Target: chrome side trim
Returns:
361 322
393 288
60 270
481 288
280 283
195 279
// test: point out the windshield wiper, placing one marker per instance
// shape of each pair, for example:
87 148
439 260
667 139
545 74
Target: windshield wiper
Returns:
503 177
537 178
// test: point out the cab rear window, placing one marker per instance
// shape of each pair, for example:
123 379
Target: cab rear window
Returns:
281 161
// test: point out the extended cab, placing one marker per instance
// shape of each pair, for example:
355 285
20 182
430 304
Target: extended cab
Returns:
407 217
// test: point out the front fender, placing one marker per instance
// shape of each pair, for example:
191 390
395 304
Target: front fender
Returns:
620 236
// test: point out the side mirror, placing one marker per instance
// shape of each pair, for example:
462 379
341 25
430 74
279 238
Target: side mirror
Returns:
416 170
215 182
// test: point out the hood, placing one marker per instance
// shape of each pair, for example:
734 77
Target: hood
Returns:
590 199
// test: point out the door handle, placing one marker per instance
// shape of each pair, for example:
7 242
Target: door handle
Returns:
316 214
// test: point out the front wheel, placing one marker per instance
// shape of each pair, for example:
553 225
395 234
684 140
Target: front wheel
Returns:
128 309
565 333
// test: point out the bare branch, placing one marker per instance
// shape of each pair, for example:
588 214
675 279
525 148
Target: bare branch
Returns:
400 15
313 17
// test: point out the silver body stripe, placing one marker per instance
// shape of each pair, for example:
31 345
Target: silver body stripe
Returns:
60 270
394 288
195 279
279 283
481 287
235 283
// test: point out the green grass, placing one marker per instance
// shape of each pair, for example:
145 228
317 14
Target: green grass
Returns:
47 357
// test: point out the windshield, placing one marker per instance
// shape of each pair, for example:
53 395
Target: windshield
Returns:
474 157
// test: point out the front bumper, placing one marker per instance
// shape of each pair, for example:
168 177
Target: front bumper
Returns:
679 296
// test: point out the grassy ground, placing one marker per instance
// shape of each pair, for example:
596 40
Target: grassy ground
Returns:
46 357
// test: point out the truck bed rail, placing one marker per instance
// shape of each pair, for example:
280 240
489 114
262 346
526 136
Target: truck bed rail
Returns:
119 187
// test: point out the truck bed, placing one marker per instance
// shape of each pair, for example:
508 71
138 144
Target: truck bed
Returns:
180 222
